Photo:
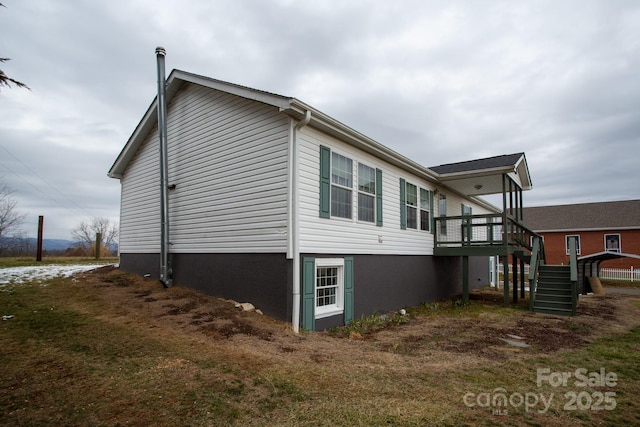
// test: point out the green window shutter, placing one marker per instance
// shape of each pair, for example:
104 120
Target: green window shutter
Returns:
403 204
379 197
348 290
325 182
431 215
308 293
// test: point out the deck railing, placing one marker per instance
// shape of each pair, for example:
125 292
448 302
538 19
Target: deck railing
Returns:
481 230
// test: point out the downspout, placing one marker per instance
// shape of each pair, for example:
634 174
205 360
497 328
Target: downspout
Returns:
295 229
165 270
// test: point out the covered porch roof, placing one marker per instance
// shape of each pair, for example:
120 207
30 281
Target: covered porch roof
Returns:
604 256
485 176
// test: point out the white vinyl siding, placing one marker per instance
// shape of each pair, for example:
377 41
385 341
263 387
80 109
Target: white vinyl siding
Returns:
228 159
350 236
140 201
339 235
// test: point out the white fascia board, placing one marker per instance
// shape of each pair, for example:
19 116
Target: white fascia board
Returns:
145 125
475 173
174 82
242 91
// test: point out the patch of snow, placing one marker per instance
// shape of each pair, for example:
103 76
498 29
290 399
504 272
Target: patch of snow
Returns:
40 273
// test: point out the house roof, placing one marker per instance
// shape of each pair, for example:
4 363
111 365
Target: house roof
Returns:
619 215
456 179
484 176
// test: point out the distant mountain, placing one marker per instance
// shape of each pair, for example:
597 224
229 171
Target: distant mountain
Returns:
47 244
50 244
55 244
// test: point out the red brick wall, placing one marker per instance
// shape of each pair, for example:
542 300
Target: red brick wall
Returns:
593 242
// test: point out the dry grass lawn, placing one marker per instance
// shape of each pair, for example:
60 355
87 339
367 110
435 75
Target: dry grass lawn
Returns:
109 348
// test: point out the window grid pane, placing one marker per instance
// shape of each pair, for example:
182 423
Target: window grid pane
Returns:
341 170
424 199
425 208
424 220
340 202
326 286
412 195
366 208
366 179
412 221
442 208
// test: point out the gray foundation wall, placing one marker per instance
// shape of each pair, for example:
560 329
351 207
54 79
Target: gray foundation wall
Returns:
261 279
385 283
381 282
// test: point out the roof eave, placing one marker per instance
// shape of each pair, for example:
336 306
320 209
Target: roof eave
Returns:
174 82
338 129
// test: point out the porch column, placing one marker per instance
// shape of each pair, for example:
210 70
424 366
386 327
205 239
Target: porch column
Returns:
505 242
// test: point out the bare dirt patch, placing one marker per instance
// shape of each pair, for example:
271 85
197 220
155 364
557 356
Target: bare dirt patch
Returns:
478 333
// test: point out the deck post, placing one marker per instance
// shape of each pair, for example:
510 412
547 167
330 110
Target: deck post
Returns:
465 279
521 279
505 279
505 241
514 264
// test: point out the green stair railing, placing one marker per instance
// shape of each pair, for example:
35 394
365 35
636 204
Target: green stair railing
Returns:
537 258
573 264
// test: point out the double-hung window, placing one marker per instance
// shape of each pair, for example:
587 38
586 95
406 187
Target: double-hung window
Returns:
425 210
442 212
366 193
341 185
416 207
412 206
329 289
340 189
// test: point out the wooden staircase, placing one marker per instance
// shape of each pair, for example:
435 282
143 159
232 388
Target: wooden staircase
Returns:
554 293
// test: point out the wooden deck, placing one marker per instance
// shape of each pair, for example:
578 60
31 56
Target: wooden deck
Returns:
482 235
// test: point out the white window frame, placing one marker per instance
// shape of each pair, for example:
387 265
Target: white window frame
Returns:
421 209
338 307
341 186
619 249
442 203
416 207
566 242
365 193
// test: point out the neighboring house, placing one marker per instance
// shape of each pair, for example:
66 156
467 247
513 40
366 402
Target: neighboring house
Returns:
598 227
272 201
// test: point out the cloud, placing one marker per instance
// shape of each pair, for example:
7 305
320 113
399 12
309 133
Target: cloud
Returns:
436 81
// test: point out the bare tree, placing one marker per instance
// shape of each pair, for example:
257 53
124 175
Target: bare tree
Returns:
6 80
10 218
85 232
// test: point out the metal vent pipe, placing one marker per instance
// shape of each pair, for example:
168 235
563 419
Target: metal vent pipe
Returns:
165 269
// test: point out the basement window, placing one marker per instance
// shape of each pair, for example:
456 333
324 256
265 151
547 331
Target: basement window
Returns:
329 292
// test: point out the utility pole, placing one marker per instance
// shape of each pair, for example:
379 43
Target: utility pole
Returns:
40 227
98 244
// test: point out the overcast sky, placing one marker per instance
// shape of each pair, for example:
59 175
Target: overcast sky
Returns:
437 81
